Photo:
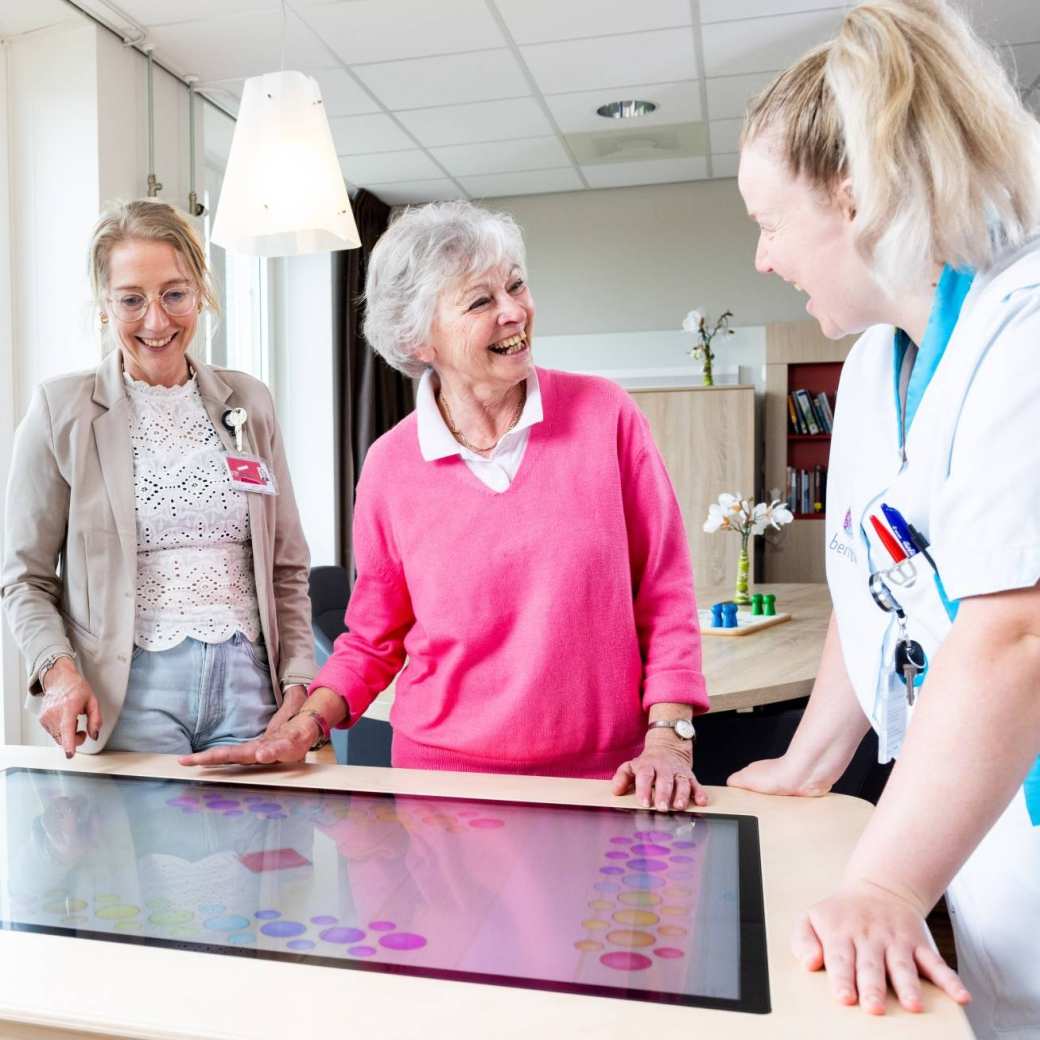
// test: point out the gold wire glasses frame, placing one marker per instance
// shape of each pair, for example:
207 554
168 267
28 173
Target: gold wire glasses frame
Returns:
177 301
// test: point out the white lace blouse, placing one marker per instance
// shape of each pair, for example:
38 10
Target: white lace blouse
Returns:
194 554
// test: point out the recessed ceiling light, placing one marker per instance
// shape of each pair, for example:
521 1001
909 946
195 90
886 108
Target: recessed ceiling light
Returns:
626 109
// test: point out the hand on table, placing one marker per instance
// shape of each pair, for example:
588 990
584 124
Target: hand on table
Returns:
778 776
292 700
289 744
66 696
662 775
864 935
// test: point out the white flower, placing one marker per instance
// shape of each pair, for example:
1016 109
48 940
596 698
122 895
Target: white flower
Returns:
693 321
731 513
724 514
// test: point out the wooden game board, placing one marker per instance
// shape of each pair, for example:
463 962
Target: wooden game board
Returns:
746 623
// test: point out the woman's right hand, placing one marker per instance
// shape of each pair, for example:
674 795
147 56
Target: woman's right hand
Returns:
66 696
779 776
289 744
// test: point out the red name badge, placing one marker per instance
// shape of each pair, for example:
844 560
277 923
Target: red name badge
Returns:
249 473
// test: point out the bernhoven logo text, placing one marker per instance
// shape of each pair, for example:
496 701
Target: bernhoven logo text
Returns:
842 549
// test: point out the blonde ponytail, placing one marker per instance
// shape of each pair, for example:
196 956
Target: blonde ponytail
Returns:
918 113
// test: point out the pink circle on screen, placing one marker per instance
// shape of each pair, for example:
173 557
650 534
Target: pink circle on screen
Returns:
622 960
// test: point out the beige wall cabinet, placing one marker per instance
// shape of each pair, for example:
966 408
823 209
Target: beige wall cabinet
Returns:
707 438
796 352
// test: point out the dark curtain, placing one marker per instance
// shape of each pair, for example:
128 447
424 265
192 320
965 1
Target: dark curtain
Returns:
371 396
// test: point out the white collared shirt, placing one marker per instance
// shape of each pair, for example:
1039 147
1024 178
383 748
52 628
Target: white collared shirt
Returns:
499 469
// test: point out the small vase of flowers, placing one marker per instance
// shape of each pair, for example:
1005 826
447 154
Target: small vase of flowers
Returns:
706 330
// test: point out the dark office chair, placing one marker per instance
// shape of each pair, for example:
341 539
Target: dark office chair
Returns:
368 743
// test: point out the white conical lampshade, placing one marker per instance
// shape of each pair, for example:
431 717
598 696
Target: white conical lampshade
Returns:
283 191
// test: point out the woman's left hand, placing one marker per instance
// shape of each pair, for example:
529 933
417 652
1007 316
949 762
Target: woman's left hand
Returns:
662 775
868 938
292 700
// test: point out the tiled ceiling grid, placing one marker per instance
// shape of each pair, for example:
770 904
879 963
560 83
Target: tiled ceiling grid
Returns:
441 99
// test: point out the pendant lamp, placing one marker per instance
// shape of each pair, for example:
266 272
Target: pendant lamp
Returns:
283 191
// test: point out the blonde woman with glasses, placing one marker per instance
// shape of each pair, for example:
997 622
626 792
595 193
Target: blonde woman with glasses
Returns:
895 178
154 568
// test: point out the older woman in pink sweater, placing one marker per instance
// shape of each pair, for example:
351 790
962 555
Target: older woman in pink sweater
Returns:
522 567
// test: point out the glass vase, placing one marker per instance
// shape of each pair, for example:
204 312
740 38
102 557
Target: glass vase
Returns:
740 596
706 376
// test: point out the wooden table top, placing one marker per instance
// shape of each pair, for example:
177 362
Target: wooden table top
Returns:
55 986
773 664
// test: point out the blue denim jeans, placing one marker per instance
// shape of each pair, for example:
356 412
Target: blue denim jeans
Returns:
195 696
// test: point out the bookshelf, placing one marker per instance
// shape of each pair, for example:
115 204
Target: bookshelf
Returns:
798 357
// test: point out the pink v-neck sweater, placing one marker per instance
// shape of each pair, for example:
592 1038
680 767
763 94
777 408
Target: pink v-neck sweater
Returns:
539 624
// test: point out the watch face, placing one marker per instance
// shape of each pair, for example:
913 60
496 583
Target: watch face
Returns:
684 728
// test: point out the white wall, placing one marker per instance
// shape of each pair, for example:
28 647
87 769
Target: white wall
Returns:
305 388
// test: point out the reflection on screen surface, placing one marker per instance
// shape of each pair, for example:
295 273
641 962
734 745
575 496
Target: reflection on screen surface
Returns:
604 901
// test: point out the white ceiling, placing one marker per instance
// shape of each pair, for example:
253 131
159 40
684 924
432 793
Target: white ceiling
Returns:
440 99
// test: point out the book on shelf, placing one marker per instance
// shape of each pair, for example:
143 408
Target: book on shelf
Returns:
805 407
806 490
823 408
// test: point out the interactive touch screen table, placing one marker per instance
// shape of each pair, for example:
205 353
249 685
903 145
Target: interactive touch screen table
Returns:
605 901
141 899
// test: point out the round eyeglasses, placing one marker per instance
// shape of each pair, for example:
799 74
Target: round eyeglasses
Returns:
177 301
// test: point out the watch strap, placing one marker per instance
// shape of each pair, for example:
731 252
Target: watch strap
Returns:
674 725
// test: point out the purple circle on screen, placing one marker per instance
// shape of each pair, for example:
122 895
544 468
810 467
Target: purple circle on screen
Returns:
267 915
611 870
685 845
323 919
652 835
221 803
300 944
643 881
622 960
681 859
283 929
650 850
607 886
650 865
619 840
382 926
341 935
361 951
402 941
617 854
265 807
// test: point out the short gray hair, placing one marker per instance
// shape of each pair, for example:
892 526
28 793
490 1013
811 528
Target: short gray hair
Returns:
426 249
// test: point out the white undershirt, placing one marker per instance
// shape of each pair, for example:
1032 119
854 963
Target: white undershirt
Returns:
498 470
194 553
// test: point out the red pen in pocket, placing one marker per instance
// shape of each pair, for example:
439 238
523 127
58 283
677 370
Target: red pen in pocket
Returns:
895 550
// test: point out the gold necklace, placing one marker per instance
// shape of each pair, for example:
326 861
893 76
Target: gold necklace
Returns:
461 437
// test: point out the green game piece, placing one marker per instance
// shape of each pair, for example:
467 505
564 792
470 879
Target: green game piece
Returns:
756 603
770 604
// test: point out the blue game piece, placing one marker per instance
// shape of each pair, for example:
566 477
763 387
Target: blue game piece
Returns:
716 615
729 615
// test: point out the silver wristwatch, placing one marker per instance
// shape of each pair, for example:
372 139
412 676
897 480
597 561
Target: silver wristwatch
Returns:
683 727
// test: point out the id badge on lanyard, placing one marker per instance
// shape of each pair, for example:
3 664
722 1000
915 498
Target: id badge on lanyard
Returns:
247 472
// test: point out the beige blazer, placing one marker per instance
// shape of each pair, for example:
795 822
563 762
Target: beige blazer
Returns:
69 571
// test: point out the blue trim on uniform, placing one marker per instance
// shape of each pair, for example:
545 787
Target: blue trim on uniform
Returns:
1031 789
949 298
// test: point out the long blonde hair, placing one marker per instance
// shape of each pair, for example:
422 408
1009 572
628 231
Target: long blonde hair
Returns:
150 221
918 113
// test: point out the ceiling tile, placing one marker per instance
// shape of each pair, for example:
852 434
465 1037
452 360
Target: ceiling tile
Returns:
672 141
536 153
765 44
162 12
484 121
1005 21
728 10
358 135
649 57
653 171
234 47
538 21
385 167
342 94
16 19
725 165
374 30
449 80
725 134
534 182
677 103
417 192
728 96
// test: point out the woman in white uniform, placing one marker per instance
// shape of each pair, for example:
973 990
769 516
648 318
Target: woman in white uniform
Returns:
895 177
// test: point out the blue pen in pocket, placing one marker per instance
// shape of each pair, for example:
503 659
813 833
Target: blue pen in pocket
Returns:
900 528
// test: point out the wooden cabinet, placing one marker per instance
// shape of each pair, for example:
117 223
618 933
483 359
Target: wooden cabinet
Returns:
707 438
798 355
